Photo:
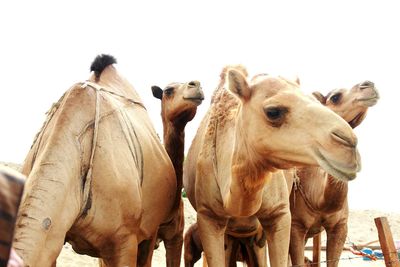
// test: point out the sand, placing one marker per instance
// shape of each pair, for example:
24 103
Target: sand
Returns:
361 227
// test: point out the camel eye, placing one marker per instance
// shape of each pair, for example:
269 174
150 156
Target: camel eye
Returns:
169 91
276 115
336 98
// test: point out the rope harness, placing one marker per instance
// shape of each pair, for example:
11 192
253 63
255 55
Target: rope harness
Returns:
127 127
299 188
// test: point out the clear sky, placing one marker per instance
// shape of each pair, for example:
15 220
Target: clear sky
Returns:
46 46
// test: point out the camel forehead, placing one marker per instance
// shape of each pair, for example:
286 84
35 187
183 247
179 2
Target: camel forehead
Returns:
270 86
335 91
174 84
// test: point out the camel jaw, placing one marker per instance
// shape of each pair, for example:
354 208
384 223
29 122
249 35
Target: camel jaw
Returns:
195 100
336 170
368 101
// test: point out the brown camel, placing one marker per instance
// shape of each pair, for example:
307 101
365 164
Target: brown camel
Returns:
251 129
98 176
318 200
11 188
179 102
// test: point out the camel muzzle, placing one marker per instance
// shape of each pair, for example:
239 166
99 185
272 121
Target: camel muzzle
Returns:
341 138
366 84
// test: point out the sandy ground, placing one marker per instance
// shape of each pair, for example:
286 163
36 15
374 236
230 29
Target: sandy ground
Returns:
362 229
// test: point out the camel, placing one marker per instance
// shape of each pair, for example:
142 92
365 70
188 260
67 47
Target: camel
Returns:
11 188
252 128
179 102
319 201
98 176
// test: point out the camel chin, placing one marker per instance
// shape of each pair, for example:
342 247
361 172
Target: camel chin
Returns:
341 172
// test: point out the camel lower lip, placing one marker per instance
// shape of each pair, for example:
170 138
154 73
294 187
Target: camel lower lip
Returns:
196 100
334 171
371 101
368 99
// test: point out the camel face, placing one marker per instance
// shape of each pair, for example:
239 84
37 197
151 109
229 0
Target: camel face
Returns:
351 104
179 100
289 128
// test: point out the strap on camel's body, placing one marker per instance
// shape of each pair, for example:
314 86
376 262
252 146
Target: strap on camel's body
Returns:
299 188
136 154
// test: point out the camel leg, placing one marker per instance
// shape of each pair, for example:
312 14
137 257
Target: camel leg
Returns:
125 254
231 250
336 239
192 246
146 252
297 244
173 246
212 237
260 255
278 235
173 250
204 260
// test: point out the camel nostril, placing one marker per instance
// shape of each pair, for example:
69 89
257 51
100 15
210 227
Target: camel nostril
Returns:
366 84
343 139
194 83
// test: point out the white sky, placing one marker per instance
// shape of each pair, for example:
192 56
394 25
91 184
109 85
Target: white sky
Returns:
46 46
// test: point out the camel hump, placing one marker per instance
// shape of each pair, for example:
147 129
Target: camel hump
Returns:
238 67
101 62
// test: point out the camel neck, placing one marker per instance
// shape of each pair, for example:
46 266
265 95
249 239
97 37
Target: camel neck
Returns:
174 143
249 172
335 194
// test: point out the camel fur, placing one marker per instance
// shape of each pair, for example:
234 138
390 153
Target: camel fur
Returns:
252 128
179 102
319 201
98 176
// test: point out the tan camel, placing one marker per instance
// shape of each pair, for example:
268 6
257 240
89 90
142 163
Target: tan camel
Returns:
318 200
99 177
251 129
179 102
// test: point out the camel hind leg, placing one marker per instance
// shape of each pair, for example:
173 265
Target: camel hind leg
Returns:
125 254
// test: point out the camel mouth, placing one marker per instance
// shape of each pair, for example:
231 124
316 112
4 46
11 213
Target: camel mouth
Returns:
369 101
196 100
340 172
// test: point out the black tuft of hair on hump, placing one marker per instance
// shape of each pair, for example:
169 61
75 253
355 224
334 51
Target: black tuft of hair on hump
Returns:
100 63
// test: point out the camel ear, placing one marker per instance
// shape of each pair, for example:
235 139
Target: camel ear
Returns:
238 85
157 91
320 97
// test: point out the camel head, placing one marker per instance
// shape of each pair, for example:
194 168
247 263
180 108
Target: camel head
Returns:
284 128
179 101
351 104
